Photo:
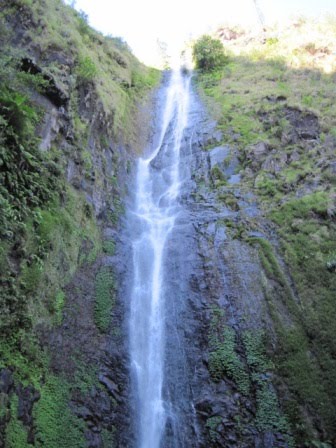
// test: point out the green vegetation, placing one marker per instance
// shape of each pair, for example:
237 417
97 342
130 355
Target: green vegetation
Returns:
218 177
16 434
86 69
59 304
104 298
109 247
108 438
209 53
229 200
275 273
59 78
261 78
56 425
269 417
212 424
106 62
224 360
278 91
44 222
246 363
36 181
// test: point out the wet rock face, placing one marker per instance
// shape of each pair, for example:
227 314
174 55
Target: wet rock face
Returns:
74 119
104 406
214 295
27 397
6 390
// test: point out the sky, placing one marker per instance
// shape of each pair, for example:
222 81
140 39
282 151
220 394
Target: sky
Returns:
142 22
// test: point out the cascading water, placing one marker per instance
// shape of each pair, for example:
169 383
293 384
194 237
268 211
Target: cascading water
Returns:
156 207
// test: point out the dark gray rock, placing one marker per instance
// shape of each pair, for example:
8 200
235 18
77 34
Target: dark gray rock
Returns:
111 386
256 154
218 155
6 381
275 161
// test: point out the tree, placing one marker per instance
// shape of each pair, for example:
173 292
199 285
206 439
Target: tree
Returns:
209 53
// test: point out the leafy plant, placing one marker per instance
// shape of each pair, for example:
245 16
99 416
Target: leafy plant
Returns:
59 305
86 69
104 298
55 422
16 434
209 53
211 424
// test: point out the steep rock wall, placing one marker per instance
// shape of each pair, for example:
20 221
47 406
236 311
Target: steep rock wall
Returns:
80 99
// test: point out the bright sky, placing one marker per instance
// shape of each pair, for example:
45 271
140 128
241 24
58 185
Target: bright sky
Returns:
142 22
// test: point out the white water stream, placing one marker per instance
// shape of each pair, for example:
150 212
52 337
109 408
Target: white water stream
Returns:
157 189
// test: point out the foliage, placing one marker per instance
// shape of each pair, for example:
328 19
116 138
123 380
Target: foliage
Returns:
104 298
212 424
247 364
86 69
256 358
28 178
108 437
269 87
229 200
209 54
147 80
27 359
16 434
218 176
48 227
269 416
55 423
59 305
109 247
223 359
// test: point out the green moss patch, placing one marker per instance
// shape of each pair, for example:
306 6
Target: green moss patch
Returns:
55 423
104 298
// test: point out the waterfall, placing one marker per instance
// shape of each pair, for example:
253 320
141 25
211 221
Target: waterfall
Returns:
155 210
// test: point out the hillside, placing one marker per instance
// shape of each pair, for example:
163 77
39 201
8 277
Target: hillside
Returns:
69 133
274 101
207 271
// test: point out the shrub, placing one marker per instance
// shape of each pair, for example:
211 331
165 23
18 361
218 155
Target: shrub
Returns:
86 69
209 53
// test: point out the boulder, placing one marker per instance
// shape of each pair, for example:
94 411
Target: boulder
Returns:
218 155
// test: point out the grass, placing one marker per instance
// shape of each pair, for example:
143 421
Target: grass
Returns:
218 177
270 88
229 200
56 240
118 77
257 73
49 229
